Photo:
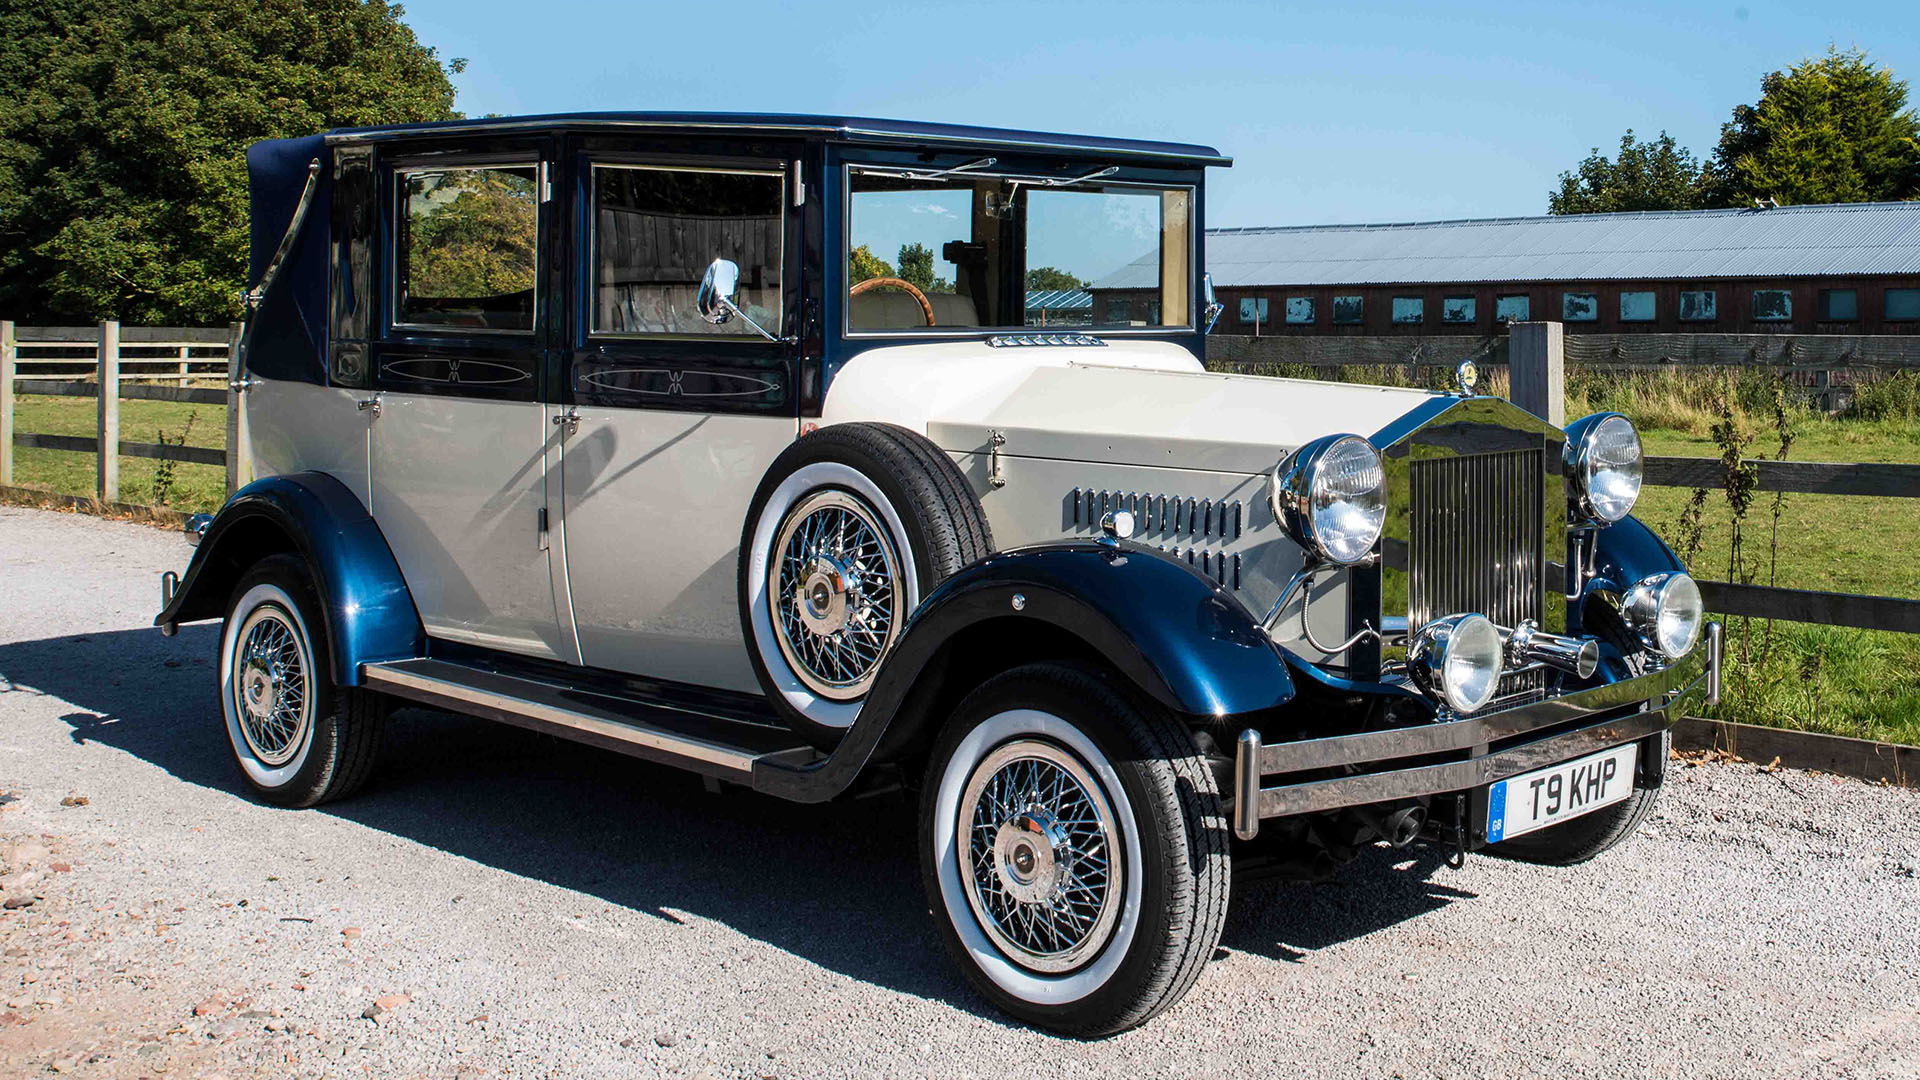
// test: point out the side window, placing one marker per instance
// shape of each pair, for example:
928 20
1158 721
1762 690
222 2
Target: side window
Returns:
1253 309
1409 309
1349 310
1457 309
1516 307
466 246
1902 305
1772 305
1300 310
1839 305
655 231
1637 306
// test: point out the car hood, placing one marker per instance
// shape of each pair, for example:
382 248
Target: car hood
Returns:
1127 402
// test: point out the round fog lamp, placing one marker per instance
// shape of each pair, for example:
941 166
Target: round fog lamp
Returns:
1458 659
1665 612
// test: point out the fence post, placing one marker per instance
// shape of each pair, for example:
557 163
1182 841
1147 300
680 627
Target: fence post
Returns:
1537 369
186 354
239 442
107 431
9 350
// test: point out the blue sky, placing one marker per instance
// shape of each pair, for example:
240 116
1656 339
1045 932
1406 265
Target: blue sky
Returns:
1357 112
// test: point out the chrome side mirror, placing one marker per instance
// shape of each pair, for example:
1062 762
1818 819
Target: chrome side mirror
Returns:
715 299
1210 306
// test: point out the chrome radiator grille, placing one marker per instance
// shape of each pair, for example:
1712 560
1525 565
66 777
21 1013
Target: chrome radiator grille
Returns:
1475 542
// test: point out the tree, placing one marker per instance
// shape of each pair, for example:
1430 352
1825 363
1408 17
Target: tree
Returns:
863 264
1830 129
124 126
1048 277
1657 175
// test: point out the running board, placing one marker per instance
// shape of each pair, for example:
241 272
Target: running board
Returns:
709 744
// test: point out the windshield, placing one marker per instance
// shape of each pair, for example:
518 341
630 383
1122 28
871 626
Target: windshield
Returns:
1004 253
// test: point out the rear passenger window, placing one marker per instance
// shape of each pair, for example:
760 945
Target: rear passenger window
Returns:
655 231
467 242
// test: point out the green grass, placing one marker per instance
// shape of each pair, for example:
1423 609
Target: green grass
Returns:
194 487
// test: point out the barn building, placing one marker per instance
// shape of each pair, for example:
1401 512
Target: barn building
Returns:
1851 269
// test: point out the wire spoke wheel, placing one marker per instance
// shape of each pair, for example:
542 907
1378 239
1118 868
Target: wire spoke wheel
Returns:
1039 853
272 687
837 594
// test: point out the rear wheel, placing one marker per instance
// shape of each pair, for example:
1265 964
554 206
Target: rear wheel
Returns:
1074 850
297 738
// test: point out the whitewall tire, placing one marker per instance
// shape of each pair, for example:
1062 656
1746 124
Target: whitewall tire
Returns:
1074 850
852 526
297 738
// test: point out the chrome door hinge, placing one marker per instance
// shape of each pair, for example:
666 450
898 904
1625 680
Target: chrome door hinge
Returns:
540 520
568 422
993 460
241 386
546 183
371 404
799 186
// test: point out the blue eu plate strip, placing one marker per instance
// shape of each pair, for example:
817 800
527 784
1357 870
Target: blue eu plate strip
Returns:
1497 812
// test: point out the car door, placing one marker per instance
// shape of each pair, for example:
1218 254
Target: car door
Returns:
459 462
678 418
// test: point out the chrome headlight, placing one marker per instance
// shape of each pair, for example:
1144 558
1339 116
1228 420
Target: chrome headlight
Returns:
1665 612
1458 658
1332 496
1604 465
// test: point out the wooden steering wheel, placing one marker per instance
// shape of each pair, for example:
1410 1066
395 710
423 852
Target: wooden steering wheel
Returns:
894 282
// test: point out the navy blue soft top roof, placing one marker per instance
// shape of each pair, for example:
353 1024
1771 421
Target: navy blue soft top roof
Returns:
843 128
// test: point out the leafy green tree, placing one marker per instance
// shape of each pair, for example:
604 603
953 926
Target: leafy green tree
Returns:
863 264
1656 175
1049 277
1830 129
476 236
124 126
916 268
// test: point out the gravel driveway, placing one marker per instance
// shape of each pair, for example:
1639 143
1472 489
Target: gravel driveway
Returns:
520 906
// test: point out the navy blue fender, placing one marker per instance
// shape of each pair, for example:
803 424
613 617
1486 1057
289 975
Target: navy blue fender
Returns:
369 613
1174 633
1629 551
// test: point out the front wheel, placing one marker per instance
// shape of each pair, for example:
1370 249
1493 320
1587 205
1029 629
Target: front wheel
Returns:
1074 850
297 738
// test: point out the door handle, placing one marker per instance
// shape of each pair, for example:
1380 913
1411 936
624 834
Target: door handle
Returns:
242 385
568 422
371 404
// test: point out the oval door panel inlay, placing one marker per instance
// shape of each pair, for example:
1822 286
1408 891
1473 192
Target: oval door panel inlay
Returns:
455 372
661 382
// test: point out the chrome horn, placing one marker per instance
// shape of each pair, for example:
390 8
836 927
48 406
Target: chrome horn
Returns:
1528 644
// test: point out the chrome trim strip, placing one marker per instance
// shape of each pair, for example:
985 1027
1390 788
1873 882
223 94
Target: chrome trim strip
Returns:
1462 775
1716 655
1246 786
1480 730
412 684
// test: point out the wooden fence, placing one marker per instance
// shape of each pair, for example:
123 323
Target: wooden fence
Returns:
111 363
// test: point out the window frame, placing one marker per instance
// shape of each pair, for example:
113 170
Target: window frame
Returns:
1472 310
1360 310
592 282
1313 311
1262 311
1568 294
1824 308
397 174
1393 313
1653 298
1886 314
1525 297
841 242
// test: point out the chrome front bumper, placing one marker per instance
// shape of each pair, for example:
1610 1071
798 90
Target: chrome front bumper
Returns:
1623 712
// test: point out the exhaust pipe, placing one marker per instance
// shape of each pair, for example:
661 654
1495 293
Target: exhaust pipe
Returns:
1528 644
1399 828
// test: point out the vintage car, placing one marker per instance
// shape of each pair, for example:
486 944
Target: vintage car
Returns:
730 442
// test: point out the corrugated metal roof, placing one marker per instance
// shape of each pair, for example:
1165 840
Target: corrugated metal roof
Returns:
1059 299
1788 241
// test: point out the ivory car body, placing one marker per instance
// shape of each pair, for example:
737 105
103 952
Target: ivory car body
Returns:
730 443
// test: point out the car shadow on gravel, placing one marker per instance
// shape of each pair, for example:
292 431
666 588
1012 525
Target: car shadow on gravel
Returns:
836 884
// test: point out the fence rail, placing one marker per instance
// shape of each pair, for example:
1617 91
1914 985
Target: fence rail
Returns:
119 358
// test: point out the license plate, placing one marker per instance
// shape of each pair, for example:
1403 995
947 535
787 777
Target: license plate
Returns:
1535 800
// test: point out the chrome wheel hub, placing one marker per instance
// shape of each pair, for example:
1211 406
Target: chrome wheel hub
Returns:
1039 845
836 593
271 685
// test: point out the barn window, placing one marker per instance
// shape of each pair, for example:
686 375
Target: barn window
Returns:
1349 310
1300 310
1253 310
1839 305
655 232
1697 306
1457 309
1772 305
1515 307
1903 304
1579 307
1637 306
1409 309
1119 310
